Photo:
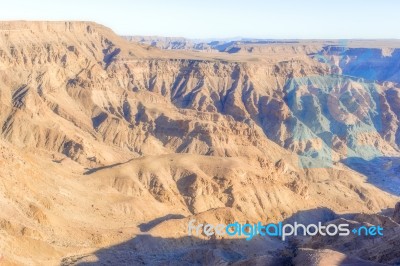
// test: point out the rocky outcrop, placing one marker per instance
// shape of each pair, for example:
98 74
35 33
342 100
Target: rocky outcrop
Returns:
100 135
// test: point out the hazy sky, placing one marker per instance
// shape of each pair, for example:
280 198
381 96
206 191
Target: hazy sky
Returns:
222 18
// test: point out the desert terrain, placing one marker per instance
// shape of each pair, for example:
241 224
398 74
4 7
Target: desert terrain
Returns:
110 145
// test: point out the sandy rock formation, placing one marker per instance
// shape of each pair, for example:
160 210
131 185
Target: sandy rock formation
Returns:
103 140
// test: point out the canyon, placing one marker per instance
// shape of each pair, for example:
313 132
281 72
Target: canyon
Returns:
109 146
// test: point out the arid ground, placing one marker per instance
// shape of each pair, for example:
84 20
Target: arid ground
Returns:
110 145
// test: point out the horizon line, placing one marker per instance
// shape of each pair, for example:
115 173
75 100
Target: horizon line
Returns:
235 38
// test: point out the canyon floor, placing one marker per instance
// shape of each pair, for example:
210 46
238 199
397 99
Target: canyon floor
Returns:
110 145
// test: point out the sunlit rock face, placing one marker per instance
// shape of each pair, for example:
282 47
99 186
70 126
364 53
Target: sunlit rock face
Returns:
105 141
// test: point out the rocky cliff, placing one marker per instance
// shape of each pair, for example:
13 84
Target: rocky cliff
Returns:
100 135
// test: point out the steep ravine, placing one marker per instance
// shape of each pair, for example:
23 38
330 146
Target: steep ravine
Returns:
101 137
